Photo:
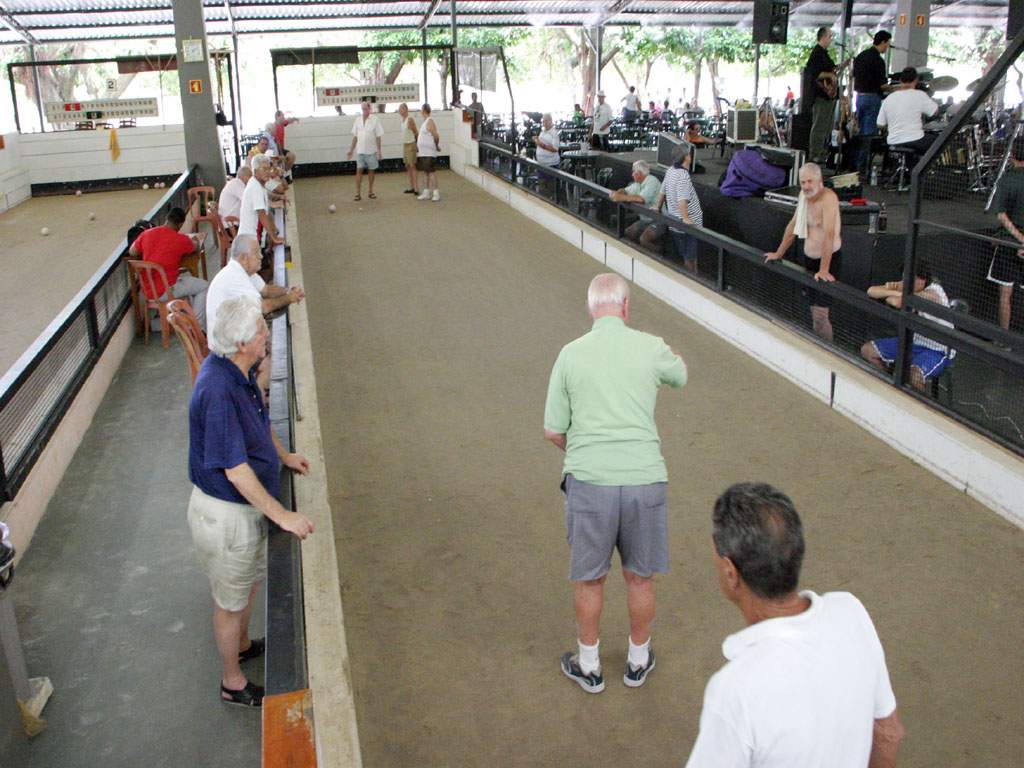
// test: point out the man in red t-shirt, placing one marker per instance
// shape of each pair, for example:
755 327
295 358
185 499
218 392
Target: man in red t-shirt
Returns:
280 121
166 246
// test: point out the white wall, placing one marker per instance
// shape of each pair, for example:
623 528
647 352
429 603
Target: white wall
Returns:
327 139
961 457
14 180
85 155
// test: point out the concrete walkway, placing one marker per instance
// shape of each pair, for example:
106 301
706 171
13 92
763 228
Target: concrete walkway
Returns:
434 328
110 601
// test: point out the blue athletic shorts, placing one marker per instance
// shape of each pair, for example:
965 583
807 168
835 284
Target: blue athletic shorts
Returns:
931 362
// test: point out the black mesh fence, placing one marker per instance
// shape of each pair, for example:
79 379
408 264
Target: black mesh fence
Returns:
938 345
35 396
967 240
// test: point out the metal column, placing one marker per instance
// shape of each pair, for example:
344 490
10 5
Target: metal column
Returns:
202 142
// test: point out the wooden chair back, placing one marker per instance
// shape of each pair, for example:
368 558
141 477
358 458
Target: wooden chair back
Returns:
186 333
183 308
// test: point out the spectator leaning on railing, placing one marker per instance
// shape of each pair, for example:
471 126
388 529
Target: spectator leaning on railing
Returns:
234 464
680 200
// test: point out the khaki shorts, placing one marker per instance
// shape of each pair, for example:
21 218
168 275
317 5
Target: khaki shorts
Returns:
409 154
231 541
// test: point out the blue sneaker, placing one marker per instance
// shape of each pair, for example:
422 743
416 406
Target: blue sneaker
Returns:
592 683
635 677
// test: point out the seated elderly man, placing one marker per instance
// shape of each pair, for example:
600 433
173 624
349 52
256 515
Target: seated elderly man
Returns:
230 201
239 278
255 209
166 246
547 142
234 463
805 682
259 148
928 358
643 191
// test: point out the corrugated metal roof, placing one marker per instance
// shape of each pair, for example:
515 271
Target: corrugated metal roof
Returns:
65 20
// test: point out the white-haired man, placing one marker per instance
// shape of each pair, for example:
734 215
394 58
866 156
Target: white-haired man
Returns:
230 201
234 463
366 146
600 411
643 191
239 278
255 209
815 225
547 142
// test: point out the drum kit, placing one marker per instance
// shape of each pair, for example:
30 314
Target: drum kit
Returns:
983 145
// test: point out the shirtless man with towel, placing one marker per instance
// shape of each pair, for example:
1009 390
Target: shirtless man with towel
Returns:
815 225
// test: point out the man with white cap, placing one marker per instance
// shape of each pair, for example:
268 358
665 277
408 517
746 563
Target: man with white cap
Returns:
602 125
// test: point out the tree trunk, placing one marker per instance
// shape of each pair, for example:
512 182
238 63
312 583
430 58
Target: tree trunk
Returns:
696 82
622 74
647 73
393 73
713 72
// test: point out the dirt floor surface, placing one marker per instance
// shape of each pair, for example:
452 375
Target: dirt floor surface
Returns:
435 326
42 274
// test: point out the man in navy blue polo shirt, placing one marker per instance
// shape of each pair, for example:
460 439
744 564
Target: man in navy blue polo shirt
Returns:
234 463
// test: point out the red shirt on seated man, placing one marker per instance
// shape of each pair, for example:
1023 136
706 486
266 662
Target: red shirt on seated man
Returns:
166 246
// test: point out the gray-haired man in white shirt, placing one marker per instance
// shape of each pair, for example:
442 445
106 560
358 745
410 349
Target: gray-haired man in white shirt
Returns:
806 682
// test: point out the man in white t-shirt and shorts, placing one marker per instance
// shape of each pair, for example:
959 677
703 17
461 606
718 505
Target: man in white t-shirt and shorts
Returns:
366 136
806 682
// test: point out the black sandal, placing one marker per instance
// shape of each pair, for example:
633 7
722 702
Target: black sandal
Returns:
255 650
250 696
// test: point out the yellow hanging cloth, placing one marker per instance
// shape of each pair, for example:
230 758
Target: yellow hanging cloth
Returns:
115 149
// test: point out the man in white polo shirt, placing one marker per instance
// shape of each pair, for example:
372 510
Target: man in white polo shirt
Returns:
805 683
239 278
255 209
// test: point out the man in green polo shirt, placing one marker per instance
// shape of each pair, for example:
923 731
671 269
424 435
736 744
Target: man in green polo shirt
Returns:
600 411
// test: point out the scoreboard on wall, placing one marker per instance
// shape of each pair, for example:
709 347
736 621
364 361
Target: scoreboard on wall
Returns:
100 109
375 94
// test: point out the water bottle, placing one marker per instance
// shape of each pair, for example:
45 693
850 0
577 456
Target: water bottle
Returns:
883 219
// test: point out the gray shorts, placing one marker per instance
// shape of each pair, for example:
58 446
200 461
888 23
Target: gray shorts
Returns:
367 162
601 518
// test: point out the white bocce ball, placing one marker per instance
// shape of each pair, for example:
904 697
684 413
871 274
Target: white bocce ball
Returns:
332 208
92 216
44 231
78 193
145 186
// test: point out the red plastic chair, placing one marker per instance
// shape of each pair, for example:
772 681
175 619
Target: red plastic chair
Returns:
186 327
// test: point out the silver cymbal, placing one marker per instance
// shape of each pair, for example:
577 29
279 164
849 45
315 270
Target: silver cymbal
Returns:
944 83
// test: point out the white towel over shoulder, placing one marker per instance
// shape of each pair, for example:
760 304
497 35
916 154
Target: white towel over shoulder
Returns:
801 217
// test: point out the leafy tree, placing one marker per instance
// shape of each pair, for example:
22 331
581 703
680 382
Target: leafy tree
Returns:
725 44
640 47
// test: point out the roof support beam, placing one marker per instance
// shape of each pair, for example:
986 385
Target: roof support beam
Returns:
8 20
617 7
429 14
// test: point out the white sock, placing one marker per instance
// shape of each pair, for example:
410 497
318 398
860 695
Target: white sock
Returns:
639 654
590 659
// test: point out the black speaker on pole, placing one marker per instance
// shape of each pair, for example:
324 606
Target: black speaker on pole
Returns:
771 21
1014 19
